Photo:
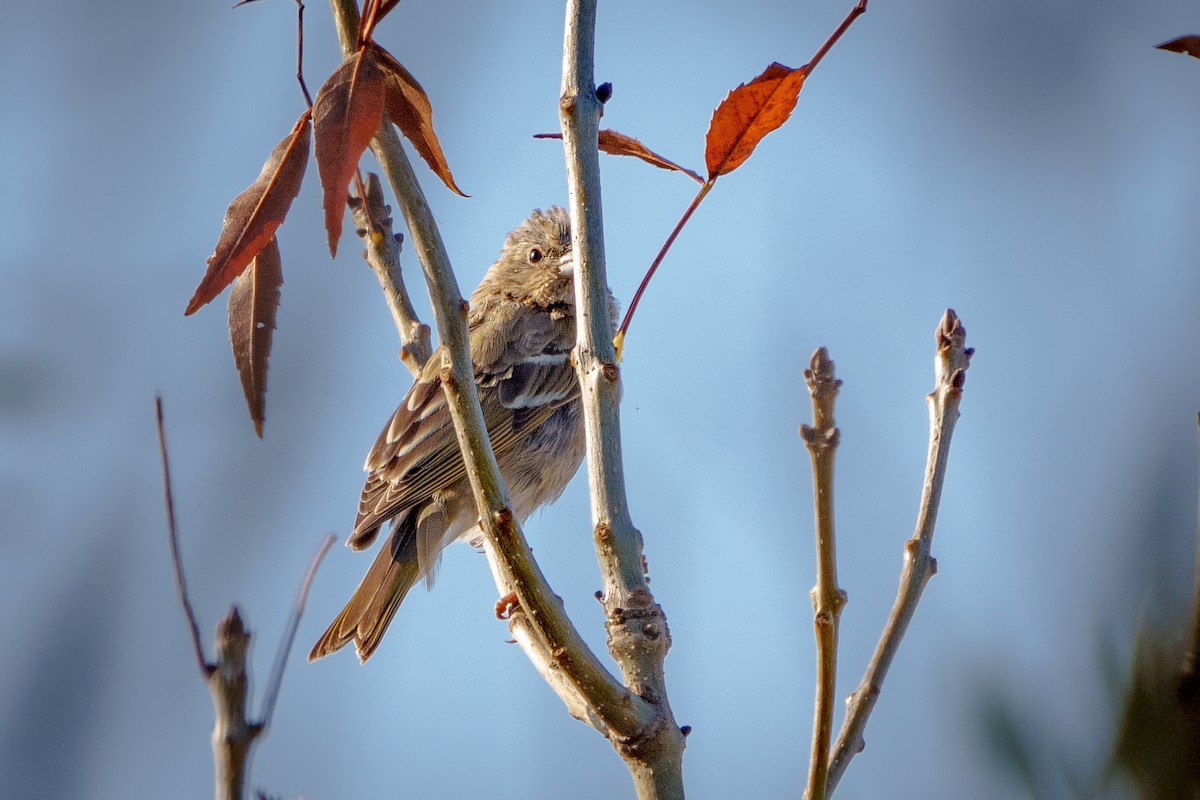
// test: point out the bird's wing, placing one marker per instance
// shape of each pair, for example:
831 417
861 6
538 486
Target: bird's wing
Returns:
417 453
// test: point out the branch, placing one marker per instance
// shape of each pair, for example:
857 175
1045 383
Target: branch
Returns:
821 439
227 682
226 678
637 628
173 534
950 372
373 222
553 643
289 636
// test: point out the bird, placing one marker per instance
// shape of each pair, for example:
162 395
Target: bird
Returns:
522 329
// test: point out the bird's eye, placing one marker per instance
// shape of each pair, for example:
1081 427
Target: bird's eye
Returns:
535 255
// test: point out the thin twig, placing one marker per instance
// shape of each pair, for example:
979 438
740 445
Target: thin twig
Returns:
821 439
637 627
226 678
373 222
173 534
300 52
824 49
289 636
950 372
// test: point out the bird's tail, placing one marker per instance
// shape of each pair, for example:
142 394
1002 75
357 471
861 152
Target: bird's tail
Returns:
366 617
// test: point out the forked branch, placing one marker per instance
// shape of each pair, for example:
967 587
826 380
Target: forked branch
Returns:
233 732
950 372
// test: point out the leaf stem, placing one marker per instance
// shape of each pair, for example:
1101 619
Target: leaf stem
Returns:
637 296
854 14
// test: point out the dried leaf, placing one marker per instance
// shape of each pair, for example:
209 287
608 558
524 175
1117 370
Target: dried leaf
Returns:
346 115
255 214
1188 45
253 302
408 107
749 113
618 144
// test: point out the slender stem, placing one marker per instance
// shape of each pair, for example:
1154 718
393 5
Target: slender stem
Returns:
368 23
285 644
821 439
558 642
300 52
173 535
950 371
854 14
373 220
637 628
662 253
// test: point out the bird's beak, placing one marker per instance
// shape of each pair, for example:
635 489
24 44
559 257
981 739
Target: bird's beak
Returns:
566 266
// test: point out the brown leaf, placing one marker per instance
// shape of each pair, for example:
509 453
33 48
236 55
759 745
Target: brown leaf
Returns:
253 302
346 115
618 144
408 107
1188 45
749 113
255 214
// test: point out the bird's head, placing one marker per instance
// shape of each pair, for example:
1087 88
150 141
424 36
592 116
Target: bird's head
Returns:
537 265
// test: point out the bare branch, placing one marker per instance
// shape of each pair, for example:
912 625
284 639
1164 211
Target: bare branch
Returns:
233 734
821 439
289 636
637 628
950 372
173 533
373 222
226 678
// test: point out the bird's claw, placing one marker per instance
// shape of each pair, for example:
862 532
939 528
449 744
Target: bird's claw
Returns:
506 605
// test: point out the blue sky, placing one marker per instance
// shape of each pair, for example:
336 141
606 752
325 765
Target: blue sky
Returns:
1031 164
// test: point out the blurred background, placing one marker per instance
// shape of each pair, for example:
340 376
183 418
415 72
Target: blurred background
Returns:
1031 164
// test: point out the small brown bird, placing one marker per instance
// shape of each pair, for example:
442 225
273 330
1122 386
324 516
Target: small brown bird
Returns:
522 329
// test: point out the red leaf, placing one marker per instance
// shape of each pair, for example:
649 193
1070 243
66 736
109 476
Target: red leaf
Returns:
253 302
1188 45
346 115
408 107
618 144
255 214
749 113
